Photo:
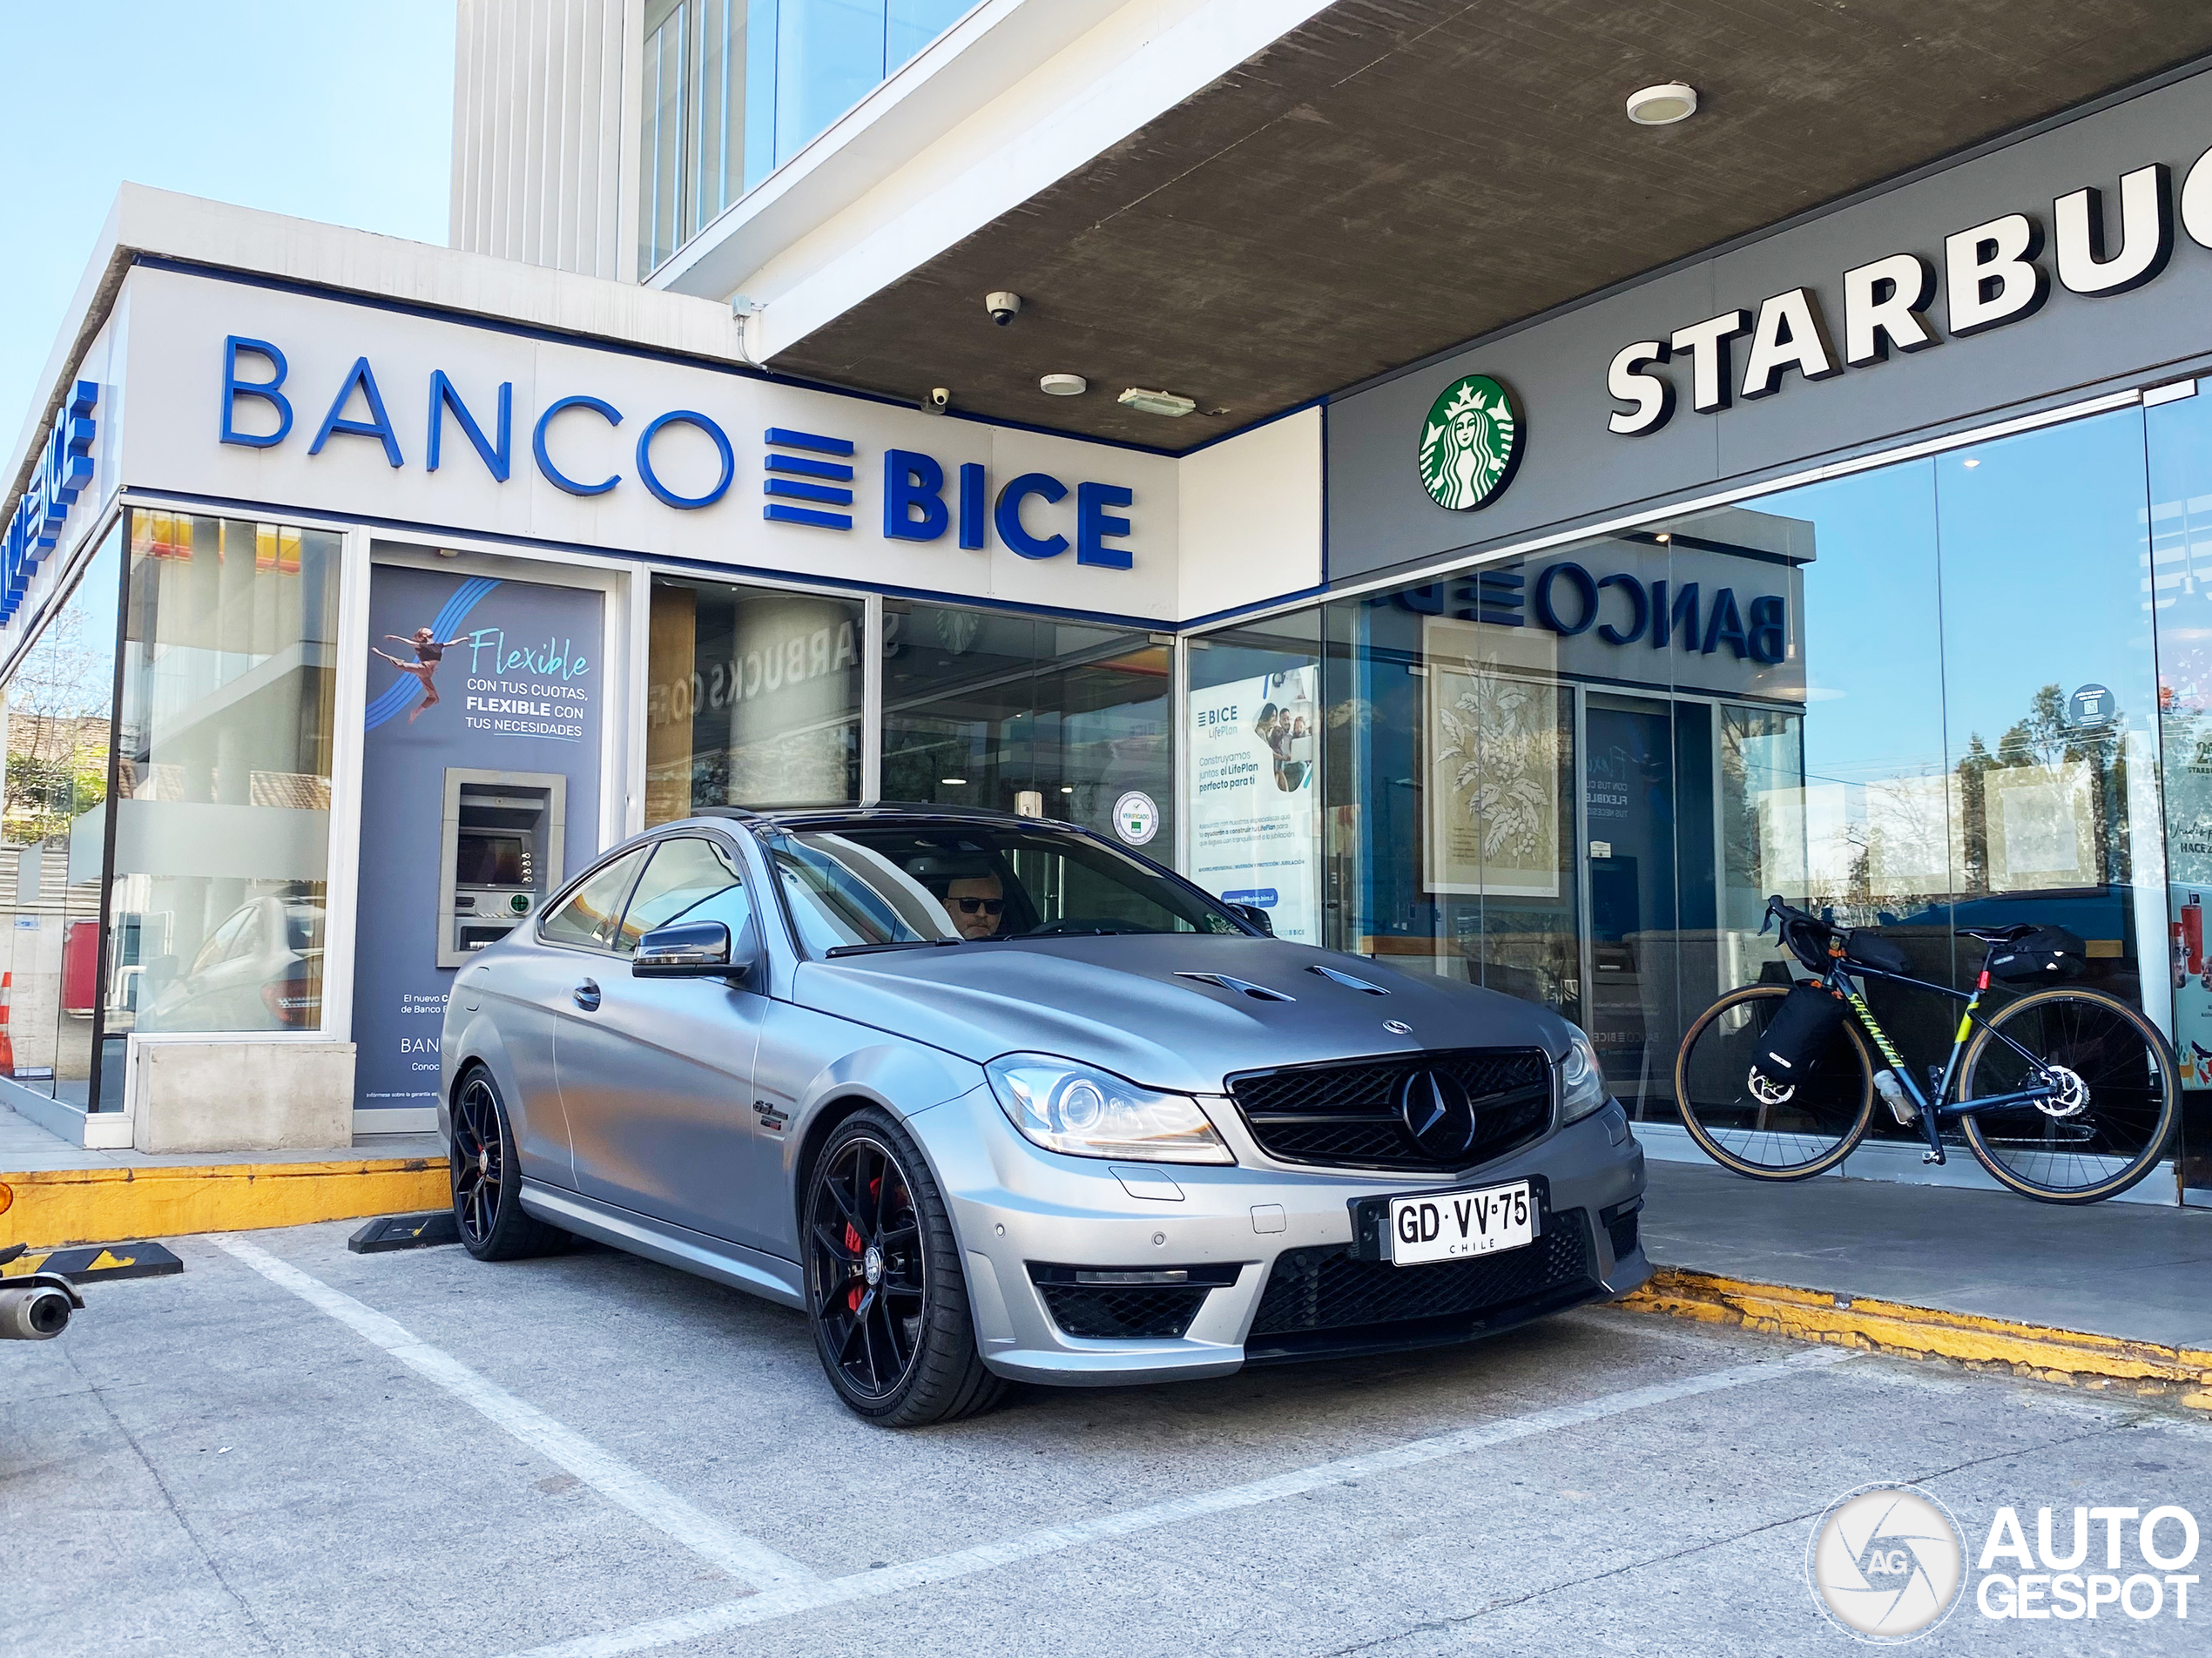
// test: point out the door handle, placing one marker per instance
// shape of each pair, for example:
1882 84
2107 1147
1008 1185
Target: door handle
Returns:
587 995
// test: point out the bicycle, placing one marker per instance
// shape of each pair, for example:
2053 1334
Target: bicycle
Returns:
2066 1094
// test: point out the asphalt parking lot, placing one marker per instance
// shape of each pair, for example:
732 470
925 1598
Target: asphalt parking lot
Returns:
292 1449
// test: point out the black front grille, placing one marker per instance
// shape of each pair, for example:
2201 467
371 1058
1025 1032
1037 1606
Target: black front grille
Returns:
1327 1288
1348 1116
1121 1313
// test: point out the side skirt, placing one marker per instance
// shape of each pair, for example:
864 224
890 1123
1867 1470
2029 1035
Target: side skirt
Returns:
767 1276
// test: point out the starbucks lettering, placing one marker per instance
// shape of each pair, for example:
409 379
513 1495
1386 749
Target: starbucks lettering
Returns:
1991 273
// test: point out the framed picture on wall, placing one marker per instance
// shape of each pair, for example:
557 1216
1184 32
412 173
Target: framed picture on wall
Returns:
1493 748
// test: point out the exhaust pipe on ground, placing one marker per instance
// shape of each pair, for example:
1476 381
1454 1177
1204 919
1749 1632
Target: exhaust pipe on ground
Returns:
36 1311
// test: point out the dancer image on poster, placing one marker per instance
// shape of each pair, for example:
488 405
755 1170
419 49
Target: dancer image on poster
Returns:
429 650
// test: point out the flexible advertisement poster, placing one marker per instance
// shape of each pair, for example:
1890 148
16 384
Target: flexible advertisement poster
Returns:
2188 858
480 794
1255 822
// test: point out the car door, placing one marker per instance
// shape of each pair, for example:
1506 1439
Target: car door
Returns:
656 1078
533 984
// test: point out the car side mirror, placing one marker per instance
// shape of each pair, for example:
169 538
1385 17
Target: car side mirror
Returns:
695 950
1252 914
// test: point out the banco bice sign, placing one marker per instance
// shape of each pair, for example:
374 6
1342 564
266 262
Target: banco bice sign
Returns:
1993 273
805 478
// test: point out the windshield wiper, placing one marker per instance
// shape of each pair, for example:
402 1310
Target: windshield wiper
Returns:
889 944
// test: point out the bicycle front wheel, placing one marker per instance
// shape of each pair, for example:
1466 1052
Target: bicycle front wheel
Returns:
2118 1094
1746 1122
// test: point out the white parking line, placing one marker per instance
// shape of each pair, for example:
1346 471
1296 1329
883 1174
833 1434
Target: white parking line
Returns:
749 1561
787 1602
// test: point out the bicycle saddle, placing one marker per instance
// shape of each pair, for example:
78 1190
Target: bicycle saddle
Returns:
1997 934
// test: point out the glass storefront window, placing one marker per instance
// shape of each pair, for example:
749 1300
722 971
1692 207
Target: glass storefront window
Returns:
1029 714
1922 696
59 704
733 89
222 818
753 698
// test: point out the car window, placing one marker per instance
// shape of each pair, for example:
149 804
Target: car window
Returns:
589 917
684 873
874 883
222 945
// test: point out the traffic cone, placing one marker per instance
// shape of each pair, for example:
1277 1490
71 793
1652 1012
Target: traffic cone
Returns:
7 1042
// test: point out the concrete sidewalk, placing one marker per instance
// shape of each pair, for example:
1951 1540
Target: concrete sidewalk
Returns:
2106 1292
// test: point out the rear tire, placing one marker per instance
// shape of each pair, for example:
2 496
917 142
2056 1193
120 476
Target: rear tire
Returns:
885 1293
488 1181
2131 1097
1812 1127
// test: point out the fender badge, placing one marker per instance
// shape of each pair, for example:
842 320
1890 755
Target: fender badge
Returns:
1398 1027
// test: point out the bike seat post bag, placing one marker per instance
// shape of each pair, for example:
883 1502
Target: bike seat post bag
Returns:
1807 1023
2048 954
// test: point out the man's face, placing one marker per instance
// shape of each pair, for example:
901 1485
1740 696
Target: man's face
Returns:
976 903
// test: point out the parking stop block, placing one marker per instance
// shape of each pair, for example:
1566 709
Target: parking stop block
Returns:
422 1231
97 1263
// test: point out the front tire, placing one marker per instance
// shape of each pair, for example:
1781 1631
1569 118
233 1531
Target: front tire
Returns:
1793 1133
488 1182
885 1292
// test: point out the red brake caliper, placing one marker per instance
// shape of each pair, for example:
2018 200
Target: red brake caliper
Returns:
854 1242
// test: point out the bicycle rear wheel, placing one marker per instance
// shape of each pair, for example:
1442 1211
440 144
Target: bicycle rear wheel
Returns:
2112 1118
1747 1123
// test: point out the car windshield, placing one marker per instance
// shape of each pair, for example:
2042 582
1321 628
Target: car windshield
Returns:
873 886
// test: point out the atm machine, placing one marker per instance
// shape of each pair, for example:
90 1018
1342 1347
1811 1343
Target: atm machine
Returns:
499 856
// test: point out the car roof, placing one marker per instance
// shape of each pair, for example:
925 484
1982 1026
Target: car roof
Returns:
883 812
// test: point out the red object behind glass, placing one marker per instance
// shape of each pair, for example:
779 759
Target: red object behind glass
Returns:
81 968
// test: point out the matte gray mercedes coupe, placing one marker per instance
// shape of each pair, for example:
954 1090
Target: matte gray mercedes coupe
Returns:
989 1098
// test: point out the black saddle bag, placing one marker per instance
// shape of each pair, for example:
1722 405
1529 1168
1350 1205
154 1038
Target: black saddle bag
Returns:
1801 1032
2047 954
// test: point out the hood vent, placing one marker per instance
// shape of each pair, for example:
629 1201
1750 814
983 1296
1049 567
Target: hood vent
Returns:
1347 980
1242 986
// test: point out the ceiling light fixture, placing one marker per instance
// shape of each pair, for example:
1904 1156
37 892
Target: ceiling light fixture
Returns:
1155 402
1063 385
1663 106
952 780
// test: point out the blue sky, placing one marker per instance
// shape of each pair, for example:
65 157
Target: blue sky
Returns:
336 109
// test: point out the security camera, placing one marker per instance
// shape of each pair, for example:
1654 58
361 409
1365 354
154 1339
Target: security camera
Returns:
1002 306
940 399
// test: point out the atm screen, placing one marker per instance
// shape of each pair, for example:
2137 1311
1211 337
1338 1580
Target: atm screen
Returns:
483 860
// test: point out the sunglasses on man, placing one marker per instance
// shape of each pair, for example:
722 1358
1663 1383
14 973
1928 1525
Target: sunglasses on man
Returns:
987 906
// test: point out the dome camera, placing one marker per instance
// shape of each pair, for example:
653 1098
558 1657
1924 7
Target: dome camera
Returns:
1002 305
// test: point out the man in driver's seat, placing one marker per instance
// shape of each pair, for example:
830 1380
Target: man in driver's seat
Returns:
976 903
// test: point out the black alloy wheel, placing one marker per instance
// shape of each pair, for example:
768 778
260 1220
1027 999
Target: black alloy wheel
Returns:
884 1289
486 1183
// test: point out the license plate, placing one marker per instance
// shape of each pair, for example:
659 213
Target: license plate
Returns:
1450 1226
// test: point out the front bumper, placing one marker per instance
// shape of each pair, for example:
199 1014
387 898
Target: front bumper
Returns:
1015 1207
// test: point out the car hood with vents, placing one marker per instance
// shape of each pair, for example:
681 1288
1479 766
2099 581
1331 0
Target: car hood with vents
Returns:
1170 1011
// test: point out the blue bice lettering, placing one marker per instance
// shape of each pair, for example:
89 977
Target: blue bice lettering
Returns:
62 469
804 487
914 510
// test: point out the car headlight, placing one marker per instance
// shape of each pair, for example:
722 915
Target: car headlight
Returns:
1088 1113
1582 1084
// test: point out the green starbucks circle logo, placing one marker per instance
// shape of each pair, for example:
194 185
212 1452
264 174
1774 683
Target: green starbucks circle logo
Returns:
1470 443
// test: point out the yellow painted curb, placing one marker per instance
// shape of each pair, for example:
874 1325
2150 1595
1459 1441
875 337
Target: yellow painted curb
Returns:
110 1205
1926 1332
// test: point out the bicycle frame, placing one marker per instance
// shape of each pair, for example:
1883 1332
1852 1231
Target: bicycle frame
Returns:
1933 1114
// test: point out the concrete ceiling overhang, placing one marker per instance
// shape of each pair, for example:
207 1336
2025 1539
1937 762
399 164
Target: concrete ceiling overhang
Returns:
1398 176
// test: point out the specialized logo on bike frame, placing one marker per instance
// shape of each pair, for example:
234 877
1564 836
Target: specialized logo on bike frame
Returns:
1887 1563
1471 443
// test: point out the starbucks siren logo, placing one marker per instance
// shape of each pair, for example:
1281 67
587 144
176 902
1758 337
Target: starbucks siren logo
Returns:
1470 443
